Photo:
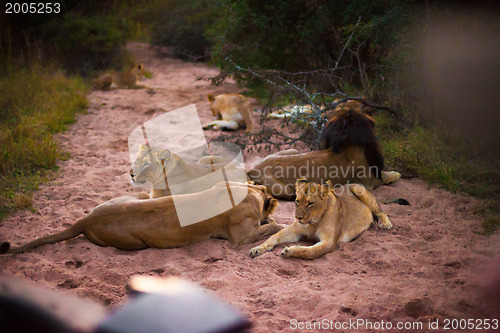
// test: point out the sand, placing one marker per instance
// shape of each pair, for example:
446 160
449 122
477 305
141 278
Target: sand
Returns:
433 265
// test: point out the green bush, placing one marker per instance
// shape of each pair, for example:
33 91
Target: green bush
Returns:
182 26
303 35
86 43
84 36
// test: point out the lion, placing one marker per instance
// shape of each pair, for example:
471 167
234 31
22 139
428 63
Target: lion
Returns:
290 111
308 110
350 153
127 79
328 216
164 169
135 222
355 105
231 112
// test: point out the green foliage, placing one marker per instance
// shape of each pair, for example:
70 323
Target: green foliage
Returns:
85 36
491 224
303 35
35 103
454 166
84 43
181 25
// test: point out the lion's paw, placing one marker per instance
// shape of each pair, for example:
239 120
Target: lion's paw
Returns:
289 251
384 223
257 251
390 177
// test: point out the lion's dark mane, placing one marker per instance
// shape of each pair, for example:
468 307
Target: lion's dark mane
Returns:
351 128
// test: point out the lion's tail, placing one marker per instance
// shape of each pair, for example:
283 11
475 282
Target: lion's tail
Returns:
351 128
399 201
71 232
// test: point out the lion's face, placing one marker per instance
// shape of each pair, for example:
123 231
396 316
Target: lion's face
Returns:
311 201
214 107
270 204
138 70
149 164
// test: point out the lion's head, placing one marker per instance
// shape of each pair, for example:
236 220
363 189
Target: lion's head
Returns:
312 200
351 128
213 107
138 70
149 164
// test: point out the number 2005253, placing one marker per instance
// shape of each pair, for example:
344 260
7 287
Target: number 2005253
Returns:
32 8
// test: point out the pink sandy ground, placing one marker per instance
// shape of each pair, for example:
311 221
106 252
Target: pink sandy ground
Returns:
432 265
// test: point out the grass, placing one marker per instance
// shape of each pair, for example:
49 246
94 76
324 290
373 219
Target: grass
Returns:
448 163
35 103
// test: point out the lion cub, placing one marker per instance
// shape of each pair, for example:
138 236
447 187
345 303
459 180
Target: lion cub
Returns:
328 216
127 79
231 112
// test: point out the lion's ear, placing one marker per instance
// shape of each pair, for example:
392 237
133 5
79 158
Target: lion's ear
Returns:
211 98
270 205
300 182
164 154
326 188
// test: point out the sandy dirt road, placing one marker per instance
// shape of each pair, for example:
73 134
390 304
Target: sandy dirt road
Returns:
430 266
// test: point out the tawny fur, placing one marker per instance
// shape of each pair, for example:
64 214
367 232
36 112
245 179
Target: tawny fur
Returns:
163 169
326 216
351 154
231 111
136 222
127 79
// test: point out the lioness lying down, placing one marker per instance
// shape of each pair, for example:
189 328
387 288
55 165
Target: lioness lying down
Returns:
127 79
163 169
231 111
137 222
328 216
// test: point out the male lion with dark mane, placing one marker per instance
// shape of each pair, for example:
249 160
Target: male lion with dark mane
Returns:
350 153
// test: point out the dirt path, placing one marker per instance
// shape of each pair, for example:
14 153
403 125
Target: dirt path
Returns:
427 267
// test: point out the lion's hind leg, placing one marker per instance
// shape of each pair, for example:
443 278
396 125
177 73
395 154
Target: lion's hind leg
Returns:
222 124
290 151
104 235
368 199
248 119
389 177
